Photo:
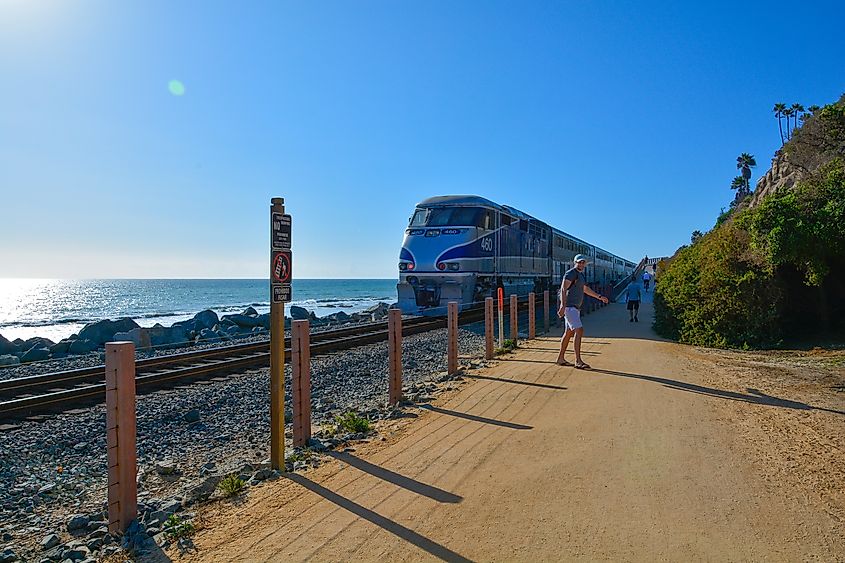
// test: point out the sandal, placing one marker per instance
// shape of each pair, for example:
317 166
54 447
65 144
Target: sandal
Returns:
582 365
564 363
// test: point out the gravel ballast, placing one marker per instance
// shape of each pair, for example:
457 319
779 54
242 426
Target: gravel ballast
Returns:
55 469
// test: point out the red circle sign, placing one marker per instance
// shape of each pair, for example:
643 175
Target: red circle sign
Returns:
282 267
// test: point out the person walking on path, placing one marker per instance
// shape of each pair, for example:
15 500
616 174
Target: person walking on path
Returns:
633 296
646 279
572 290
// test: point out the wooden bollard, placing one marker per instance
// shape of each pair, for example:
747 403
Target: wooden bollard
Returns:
488 328
300 355
394 345
514 319
545 311
120 435
452 347
532 316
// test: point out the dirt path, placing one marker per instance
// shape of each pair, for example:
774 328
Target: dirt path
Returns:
652 456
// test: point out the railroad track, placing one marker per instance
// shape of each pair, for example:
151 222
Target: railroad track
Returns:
65 390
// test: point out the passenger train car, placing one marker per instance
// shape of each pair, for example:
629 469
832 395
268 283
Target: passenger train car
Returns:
462 248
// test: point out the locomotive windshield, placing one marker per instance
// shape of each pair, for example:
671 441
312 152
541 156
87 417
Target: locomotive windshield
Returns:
453 216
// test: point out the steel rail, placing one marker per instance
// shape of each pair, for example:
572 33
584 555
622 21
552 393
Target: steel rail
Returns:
202 363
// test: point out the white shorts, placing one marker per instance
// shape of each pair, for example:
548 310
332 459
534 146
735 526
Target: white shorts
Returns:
572 317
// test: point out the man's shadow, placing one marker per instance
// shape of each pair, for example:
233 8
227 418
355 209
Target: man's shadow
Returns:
754 396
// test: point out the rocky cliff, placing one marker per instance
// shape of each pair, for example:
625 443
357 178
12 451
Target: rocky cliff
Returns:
820 139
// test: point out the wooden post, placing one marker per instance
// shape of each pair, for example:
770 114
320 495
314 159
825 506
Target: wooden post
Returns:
452 348
300 345
514 320
545 311
120 435
277 364
488 328
532 317
394 336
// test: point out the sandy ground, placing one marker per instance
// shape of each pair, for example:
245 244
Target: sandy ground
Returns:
661 453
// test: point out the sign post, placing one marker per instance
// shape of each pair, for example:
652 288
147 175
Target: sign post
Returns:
281 273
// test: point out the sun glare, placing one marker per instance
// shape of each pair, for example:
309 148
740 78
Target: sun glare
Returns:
176 87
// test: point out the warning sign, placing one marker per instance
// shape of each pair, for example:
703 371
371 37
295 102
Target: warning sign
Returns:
282 269
281 227
282 293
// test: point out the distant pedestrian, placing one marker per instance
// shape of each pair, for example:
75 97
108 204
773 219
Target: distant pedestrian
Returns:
572 290
646 280
633 296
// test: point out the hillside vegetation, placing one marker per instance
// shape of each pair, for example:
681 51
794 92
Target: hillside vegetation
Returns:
773 269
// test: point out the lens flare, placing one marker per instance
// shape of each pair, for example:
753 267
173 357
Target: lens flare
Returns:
176 87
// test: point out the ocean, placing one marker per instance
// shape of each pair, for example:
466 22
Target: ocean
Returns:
55 309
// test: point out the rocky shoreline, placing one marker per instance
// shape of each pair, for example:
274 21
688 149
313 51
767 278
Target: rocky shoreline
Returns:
53 473
206 327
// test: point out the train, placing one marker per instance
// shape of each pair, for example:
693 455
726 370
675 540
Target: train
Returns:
464 247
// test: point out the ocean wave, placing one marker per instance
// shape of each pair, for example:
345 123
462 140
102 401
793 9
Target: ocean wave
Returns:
30 324
347 299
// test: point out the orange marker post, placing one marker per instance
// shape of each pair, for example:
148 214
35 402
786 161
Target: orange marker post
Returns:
488 328
394 336
452 347
301 381
514 319
532 317
120 435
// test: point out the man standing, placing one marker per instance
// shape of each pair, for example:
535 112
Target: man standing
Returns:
633 296
572 291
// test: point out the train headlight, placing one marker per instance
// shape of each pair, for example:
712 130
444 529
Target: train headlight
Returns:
410 265
441 266
454 267
403 266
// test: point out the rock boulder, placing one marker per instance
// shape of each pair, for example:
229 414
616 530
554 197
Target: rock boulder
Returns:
7 347
242 320
82 346
35 354
9 360
104 331
298 313
139 336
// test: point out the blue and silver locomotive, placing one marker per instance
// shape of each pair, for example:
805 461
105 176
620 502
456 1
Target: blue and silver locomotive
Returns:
462 248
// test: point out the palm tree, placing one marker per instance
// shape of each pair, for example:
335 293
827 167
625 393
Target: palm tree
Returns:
813 109
738 183
746 162
787 113
797 108
778 109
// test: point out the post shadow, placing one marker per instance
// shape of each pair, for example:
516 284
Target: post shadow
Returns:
476 418
516 381
754 396
397 479
433 548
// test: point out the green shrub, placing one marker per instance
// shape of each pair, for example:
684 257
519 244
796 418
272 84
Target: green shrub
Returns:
714 293
744 283
804 227
508 345
175 528
231 485
352 422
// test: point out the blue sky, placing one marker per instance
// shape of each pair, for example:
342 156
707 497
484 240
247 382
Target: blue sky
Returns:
616 122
